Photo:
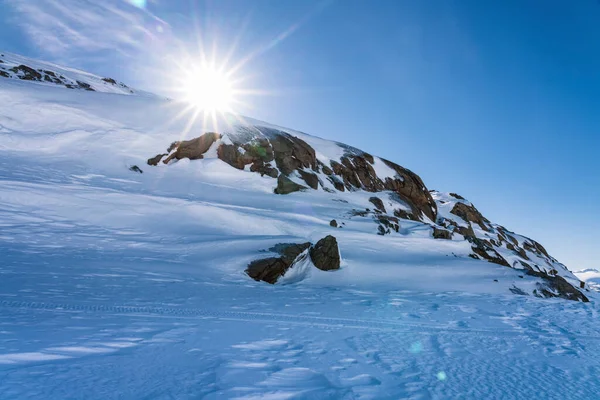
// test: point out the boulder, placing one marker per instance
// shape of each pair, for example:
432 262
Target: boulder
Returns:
271 269
194 148
325 255
333 223
267 269
285 185
378 203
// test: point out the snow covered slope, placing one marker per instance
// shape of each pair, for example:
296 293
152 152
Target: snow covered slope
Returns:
14 66
121 284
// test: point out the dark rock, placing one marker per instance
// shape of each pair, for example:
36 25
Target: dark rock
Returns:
325 255
135 168
404 215
4 74
441 233
230 154
467 232
410 187
389 223
582 284
292 153
378 203
327 170
267 269
285 185
156 159
264 169
556 286
311 179
272 268
109 80
457 196
486 251
289 251
339 185
85 86
518 291
194 148
470 214
359 213
28 74
333 223
382 231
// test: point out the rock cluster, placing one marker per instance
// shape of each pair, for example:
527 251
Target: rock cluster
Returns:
324 255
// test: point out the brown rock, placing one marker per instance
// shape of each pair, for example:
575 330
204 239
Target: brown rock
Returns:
333 223
310 178
325 255
410 187
193 149
156 159
378 203
470 214
272 268
441 233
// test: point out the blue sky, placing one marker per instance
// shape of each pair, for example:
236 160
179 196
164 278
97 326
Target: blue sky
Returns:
497 101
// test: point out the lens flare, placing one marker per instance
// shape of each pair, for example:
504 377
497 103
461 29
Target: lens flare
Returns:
208 89
138 3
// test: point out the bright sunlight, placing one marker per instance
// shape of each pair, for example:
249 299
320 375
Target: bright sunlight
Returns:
209 89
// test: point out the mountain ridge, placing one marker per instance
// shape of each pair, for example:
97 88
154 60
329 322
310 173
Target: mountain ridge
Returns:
384 199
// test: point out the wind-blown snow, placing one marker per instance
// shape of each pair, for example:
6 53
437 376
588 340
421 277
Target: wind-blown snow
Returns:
115 284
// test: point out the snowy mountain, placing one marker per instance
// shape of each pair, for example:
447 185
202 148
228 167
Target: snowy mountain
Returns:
13 66
232 258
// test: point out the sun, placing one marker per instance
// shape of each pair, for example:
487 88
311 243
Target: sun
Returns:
208 89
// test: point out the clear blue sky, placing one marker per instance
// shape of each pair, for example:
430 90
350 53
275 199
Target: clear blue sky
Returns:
496 100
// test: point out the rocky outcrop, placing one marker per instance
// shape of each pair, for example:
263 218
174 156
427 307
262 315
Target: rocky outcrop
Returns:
260 147
485 250
470 214
556 286
325 255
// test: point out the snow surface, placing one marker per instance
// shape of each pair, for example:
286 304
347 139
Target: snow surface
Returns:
115 284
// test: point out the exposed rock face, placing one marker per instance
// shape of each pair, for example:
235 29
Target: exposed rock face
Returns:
557 286
471 214
333 223
259 147
486 251
192 149
27 73
496 244
325 255
285 185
